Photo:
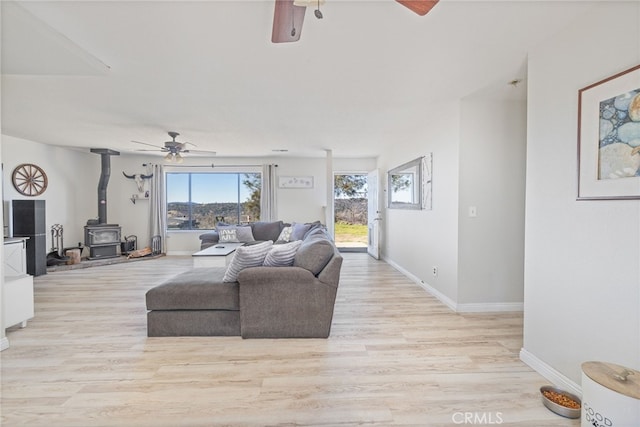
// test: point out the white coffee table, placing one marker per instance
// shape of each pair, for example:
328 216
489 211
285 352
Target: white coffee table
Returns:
218 255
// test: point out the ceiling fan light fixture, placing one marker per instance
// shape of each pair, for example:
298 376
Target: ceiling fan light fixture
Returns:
169 157
178 158
311 3
317 11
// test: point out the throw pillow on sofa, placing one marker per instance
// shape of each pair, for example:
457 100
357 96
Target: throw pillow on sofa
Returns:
235 233
245 257
244 234
282 255
314 226
298 230
285 235
227 235
267 230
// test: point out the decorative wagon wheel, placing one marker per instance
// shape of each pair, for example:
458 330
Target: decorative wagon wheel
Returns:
29 179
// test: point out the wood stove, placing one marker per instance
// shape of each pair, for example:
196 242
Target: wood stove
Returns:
102 239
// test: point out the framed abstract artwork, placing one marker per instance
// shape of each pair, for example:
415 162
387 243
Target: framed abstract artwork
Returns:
609 138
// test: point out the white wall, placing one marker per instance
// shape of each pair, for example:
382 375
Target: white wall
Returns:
417 240
478 146
132 217
349 165
582 265
492 179
303 205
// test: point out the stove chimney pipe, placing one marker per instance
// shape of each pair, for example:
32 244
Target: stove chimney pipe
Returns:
105 172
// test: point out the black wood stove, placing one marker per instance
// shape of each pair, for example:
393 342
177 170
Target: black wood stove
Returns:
102 239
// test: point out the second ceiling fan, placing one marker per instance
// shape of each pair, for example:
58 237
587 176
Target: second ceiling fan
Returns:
288 16
174 149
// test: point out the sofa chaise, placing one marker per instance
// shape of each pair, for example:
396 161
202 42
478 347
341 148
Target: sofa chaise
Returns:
264 301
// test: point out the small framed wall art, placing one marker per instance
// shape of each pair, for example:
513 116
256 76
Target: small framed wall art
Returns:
609 138
295 182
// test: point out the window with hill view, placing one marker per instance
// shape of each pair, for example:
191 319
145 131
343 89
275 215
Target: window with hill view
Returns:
198 201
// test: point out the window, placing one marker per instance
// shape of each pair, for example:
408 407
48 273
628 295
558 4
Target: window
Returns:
198 201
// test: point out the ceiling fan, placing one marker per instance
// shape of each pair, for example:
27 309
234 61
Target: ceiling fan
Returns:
174 148
288 16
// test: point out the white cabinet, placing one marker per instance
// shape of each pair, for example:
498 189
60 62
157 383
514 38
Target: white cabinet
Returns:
15 260
18 285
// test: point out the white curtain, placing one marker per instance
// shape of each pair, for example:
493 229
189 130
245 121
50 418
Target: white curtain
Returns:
158 207
268 205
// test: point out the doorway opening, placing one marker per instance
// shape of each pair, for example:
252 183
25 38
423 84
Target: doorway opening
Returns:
351 231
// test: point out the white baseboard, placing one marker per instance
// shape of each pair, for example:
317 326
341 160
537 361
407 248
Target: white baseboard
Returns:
489 307
4 343
555 377
178 253
436 293
430 289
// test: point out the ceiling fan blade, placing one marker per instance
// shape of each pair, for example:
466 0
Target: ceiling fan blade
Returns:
287 22
201 152
421 7
150 145
183 145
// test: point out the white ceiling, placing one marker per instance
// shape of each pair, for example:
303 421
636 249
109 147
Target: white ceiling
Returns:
103 73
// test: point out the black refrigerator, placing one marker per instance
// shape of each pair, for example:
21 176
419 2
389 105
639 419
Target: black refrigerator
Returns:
29 221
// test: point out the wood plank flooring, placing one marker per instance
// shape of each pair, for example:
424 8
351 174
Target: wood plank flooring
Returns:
396 357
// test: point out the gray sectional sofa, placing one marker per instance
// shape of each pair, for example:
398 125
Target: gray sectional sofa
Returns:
295 301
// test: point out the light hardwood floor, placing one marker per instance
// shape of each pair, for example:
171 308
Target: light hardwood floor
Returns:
396 356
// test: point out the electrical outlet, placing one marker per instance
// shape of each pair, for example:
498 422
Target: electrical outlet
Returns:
435 271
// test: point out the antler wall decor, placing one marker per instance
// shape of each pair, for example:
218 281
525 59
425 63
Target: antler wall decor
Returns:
139 179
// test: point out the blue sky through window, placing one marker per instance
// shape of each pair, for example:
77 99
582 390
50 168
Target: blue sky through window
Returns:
206 187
